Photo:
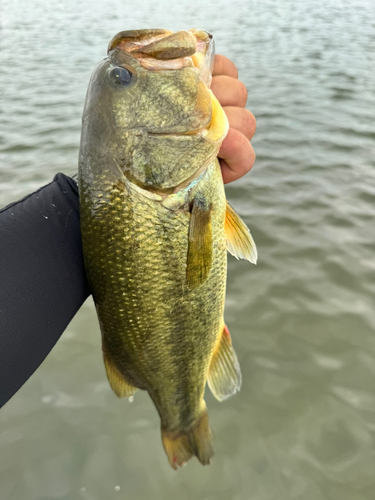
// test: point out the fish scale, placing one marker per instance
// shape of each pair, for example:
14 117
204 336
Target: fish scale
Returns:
152 261
155 229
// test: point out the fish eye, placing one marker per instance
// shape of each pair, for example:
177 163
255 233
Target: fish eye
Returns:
120 76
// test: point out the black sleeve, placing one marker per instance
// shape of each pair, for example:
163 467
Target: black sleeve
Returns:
42 278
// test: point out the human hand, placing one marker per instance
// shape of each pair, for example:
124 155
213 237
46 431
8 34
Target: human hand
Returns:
236 154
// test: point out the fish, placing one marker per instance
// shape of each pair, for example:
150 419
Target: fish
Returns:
156 228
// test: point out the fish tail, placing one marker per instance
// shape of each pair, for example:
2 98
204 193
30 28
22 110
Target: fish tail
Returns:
180 447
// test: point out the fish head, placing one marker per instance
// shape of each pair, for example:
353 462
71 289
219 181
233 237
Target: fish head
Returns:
150 110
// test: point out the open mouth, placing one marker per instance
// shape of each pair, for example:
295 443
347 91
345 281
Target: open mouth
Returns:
162 49
158 49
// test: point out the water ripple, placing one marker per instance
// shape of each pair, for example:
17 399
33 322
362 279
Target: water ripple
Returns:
302 321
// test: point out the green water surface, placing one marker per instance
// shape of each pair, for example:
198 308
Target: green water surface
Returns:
302 321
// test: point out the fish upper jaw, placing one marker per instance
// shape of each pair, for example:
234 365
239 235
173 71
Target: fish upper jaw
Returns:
157 49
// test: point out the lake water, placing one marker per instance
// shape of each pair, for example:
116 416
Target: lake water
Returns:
302 321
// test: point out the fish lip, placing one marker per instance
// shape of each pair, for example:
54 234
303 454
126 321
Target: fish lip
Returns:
136 35
134 42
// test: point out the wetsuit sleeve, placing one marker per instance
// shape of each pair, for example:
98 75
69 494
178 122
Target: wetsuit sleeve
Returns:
42 278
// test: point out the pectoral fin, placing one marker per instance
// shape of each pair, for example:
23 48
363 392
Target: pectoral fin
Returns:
120 386
240 243
224 374
199 257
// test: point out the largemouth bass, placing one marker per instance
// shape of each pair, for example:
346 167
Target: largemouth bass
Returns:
156 228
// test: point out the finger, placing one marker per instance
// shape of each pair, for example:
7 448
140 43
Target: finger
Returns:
241 119
229 91
224 66
237 156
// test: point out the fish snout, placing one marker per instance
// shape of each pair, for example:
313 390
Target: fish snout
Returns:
158 49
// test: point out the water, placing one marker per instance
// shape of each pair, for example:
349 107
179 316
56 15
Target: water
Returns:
302 321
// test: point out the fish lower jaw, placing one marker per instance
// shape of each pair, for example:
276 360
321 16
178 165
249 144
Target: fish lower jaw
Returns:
215 131
177 134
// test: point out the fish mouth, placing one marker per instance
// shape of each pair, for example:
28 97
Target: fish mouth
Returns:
158 49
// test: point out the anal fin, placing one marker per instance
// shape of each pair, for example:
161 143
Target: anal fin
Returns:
119 385
199 257
224 374
240 243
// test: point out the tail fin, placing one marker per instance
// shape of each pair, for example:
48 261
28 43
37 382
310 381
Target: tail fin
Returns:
180 447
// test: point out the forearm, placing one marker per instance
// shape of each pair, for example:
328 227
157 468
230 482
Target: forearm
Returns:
42 278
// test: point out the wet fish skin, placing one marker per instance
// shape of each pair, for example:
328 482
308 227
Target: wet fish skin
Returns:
157 331
154 233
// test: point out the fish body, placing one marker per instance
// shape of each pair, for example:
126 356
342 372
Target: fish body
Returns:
155 226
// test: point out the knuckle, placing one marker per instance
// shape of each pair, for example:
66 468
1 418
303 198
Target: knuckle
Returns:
225 66
242 93
249 164
249 124
249 158
252 157
234 71
239 142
